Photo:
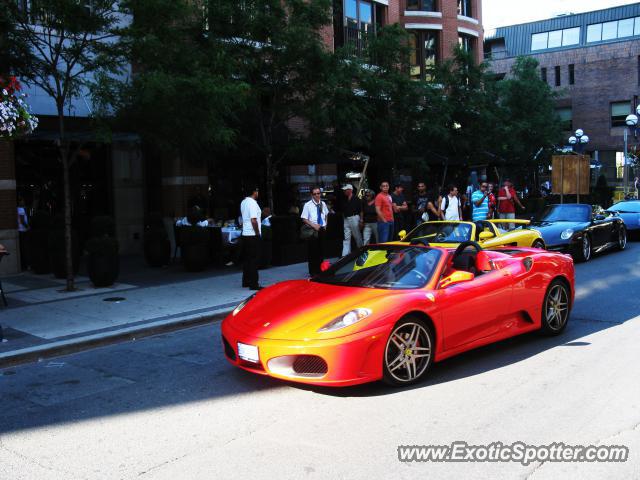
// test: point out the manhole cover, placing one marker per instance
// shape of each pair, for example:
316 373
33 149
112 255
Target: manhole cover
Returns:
114 299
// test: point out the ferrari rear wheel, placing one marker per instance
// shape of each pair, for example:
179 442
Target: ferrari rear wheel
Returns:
537 243
555 309
583 253
408 353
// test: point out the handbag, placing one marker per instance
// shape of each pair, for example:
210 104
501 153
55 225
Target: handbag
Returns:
307 232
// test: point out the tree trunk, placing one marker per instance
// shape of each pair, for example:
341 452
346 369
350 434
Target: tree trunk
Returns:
64 154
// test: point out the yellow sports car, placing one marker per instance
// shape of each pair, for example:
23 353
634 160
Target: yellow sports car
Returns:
488 233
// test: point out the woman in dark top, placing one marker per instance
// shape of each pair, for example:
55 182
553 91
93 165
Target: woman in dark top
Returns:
370 217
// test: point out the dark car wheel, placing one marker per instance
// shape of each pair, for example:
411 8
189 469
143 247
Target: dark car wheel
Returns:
622 238
538 244
555 308
583 250
408 353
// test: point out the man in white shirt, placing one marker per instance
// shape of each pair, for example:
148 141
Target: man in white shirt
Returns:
251 231
450 208
314 214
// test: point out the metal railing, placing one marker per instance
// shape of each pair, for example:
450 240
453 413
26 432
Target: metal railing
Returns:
356 41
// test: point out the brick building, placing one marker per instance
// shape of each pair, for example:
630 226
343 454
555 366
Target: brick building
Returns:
592 61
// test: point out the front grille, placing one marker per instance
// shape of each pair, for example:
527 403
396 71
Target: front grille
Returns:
228 350
309 365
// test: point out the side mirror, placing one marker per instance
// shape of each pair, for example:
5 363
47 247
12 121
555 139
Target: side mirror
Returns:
600 217
325 265
486 236
459 276
402 234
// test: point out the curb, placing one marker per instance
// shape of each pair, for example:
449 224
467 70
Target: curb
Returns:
80 344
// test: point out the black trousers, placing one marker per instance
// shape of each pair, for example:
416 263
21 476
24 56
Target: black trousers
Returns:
316 251
24 261
251 258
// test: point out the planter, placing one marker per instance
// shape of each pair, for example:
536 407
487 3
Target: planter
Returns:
195 248
103 268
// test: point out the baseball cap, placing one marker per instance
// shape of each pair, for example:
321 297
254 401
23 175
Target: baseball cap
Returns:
348 186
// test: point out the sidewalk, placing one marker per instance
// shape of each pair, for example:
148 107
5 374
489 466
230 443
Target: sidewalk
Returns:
43 320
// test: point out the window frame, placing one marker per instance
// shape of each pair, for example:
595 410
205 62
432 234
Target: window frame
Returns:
543 74
618 120
572 74
465 8
421 8
566 124
419 52
558 76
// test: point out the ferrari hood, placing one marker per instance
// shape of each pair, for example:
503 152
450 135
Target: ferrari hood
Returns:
297 309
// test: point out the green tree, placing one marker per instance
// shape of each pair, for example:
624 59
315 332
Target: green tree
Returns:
279 53
66 44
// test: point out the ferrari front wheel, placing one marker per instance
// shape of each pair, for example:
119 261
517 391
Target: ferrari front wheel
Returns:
408 353
555 309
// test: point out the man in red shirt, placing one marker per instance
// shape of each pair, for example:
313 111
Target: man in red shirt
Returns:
507 200
384 209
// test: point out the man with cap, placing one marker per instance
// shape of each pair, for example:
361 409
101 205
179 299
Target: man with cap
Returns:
251 232
352 212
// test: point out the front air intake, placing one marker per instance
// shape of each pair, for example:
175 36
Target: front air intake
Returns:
309 365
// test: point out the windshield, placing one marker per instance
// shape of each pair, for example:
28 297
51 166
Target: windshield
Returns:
567 213
441 232
383 266
625 207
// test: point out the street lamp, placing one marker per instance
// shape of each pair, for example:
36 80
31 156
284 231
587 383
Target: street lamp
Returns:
632 122
579 139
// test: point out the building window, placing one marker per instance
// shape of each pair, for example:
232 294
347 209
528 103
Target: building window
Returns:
466 42
627 27
543 74
572 74
619 112
422 5
555 38
359 15
565 115
464 8
360 20
424 53
619 165
558 81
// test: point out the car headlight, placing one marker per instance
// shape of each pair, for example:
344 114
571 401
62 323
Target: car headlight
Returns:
242 305
347 319
566 234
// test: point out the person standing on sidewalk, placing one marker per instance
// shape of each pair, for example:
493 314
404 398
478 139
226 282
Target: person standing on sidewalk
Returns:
424 207
23 227
251 231
507 200
370 217
450 207
480 203
314 213
352 212
384 209
400 209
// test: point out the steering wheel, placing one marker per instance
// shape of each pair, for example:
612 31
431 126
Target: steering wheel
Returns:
464 245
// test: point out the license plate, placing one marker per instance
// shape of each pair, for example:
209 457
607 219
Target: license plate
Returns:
248 353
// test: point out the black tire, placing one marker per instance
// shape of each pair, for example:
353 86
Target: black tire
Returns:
556 308
621 240
402 362
538 243
584 250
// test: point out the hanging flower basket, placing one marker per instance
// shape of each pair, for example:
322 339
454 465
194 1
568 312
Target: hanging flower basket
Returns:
15 117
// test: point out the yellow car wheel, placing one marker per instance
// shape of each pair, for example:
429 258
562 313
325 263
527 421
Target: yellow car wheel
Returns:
538 243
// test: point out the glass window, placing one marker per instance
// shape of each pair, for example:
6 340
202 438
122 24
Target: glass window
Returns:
636 28
571 36
625 27
539 41
466 42
572 74
414 55
430 47
424 5
609 30
543 74
555 39
351 9
594 32
366 16
565 114
464 8
619 112
424 53
558 81
619 164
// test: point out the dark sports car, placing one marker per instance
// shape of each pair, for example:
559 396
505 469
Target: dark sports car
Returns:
574 229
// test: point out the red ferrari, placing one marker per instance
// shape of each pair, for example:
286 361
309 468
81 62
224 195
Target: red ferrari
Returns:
387 312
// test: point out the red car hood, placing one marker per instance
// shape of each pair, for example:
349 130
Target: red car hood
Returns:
296 309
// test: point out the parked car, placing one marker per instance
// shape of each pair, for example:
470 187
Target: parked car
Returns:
629 211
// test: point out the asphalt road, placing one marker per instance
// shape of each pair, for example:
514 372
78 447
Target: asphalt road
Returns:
170 407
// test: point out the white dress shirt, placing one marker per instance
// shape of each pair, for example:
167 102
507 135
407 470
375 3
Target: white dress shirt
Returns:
250 209
310 212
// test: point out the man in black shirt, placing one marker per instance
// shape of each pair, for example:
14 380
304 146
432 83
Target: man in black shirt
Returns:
352 213
424 204
400 209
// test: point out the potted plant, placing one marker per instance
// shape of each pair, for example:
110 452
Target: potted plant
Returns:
157 247
103 263
194 248
37 243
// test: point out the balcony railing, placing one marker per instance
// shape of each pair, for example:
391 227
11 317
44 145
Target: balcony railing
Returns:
356 41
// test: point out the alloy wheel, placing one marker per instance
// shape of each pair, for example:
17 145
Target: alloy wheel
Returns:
408 352
557 307
586 248
622 238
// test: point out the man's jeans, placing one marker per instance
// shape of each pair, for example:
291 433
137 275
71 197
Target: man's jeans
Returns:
351 227
385 231
509 216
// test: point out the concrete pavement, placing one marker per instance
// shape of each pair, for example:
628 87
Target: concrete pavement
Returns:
43 320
